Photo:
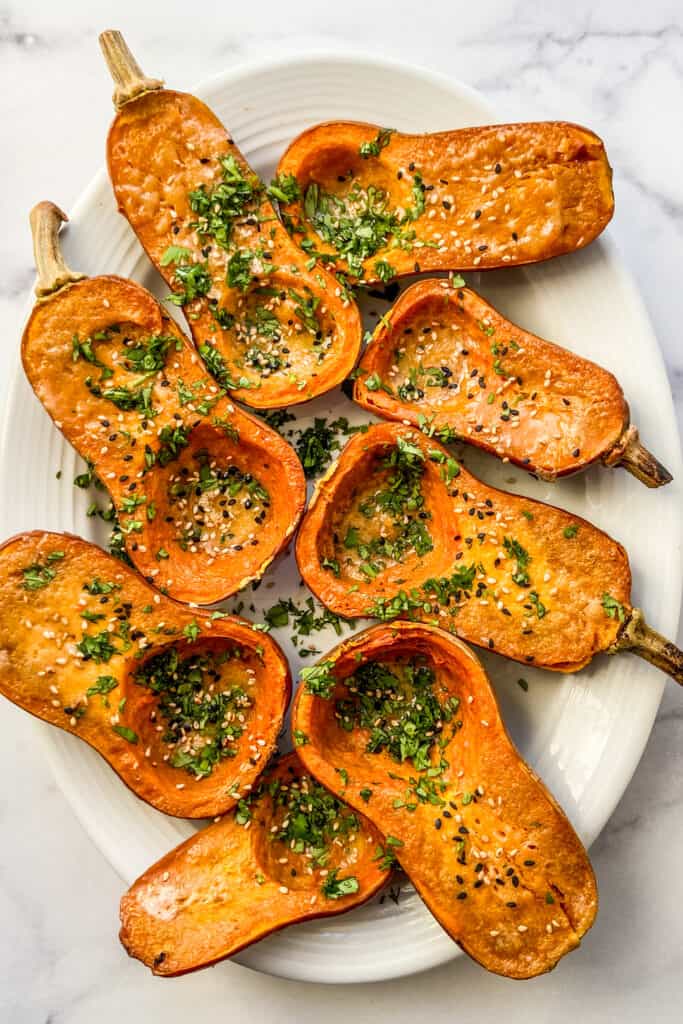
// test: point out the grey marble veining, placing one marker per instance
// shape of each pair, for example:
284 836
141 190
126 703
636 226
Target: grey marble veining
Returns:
615 66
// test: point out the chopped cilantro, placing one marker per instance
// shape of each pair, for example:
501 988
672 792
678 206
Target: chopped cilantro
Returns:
191 631
102 685
202 721
97 647
239 269
215 364
613 608
126 733
376 145
514 550
541 610
334 888
319 680
384 270
284 188
396 703
38 575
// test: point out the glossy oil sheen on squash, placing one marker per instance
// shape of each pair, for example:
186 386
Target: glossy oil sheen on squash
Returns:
291 852
186 708
389 203
403 530
206 495
408 718
268 327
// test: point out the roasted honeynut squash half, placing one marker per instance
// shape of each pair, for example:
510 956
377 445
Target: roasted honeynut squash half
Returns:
443 356
268 326
406 715
397 528
185 707
206 495
386 204
289 853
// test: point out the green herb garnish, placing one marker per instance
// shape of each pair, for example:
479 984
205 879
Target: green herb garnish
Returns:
514 549
613 608
334 888
374 148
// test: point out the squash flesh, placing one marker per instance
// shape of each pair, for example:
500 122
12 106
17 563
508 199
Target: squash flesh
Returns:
496 196
450 357
490 852
59 640
227 886
553 615
202 555
162 147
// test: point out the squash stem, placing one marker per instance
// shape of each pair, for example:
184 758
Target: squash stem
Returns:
129 78
639 638
53 273
632 454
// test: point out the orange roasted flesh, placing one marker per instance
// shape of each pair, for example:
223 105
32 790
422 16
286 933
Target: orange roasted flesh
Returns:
206 495
407 714
186 708
398 528
388 203
443 355
291 852
270 328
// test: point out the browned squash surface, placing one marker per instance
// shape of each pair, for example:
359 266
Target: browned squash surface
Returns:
290 852
388 203
444 355
397 528
408 714
206 494
185 707
268 327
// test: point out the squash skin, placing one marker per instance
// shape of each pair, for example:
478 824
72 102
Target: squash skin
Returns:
28 670
575 626
553 191
201 903
579 414
148 136
96 428
520 817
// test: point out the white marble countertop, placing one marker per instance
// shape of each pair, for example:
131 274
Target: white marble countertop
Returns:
617 67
